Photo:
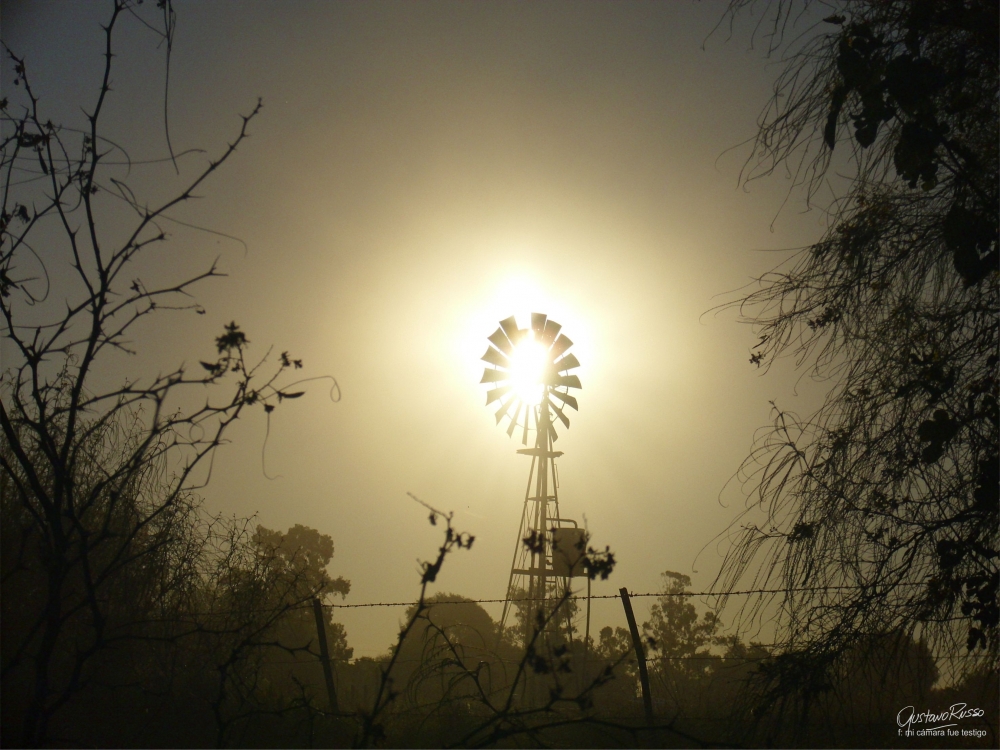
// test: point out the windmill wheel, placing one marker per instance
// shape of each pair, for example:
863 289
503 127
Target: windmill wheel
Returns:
529 375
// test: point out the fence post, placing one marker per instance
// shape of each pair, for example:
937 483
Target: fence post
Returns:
331 691
640 655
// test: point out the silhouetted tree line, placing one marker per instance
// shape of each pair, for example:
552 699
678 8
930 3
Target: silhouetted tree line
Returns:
198 630
455 671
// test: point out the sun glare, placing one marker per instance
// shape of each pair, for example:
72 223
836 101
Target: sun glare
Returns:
527 366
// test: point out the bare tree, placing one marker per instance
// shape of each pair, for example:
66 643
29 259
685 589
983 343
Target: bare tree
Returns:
99 478
881 509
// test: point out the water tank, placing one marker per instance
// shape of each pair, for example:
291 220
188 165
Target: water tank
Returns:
569 545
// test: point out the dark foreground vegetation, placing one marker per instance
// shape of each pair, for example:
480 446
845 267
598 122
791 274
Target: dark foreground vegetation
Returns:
132 617
878 516
211 640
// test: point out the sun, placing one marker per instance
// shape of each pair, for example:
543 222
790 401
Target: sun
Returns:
527 369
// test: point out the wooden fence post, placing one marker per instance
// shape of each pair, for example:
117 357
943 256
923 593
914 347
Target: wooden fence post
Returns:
640 655
324 651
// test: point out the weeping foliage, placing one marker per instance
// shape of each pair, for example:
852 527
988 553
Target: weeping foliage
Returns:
882 507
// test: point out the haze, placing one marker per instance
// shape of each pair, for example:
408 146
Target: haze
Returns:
419 172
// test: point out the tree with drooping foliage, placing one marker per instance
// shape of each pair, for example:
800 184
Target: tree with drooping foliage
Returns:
880 511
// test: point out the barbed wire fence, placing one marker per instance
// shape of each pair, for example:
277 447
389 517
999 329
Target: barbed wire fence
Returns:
578 598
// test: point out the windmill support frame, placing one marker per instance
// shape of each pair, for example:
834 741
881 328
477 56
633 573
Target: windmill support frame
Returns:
534 580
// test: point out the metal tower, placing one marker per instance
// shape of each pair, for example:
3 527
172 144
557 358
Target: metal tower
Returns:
530 375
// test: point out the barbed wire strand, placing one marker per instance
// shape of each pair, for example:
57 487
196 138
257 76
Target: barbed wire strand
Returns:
582 598
632 595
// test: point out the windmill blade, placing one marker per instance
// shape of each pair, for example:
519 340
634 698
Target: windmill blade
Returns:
562 344
571 381
496 358
538 322
566 399
527 418
503 410
494 376
552 432
496 393
549 332
566 363
509 327
559 413
500 341
513 420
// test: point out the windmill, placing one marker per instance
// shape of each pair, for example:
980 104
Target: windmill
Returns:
529 379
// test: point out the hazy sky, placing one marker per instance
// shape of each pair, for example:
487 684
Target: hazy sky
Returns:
420 171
